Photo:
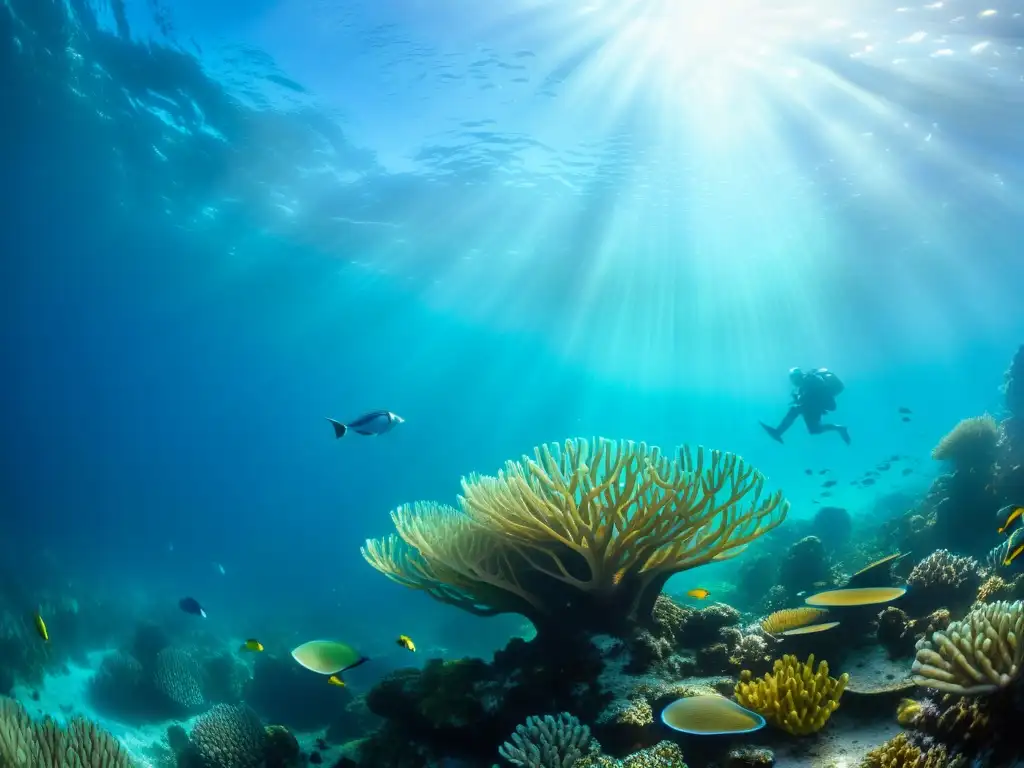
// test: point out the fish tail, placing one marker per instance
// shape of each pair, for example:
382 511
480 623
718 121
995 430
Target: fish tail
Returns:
339 428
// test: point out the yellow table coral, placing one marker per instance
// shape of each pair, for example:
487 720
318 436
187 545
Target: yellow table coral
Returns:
581 534
793 696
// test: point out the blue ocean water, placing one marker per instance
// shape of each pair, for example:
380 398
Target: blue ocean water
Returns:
509 223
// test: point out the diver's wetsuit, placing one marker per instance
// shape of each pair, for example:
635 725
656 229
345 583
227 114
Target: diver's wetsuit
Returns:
812 400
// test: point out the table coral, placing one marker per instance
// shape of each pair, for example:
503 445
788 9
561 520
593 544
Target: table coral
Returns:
793 696
581 535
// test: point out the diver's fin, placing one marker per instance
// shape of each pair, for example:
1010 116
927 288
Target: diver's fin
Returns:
339 428
772 432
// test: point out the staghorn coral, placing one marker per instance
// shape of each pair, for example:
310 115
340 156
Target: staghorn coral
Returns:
230 737
547 742
980 654
793 696
25 743
178 676
971 443
585 533
996 588
900 752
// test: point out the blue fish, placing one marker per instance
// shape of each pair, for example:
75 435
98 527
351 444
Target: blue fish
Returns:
374 423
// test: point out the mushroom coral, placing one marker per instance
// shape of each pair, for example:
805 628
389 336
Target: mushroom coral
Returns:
581 535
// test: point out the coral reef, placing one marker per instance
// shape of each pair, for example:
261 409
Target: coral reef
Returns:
942 579
229 737
806 564
179 677
833 527
547 742
794 696
970 492
34 744
900 752
979 654
550 537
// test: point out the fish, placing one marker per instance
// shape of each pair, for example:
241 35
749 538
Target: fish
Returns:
905 419
40 625
1009 513
406 642
220 568
373 423
823 471
819 584
1013 554
895 457
867 481
904 410
335 680
328 657
252 644
191 605
828 483
808 471
907 471
884 466
826 493
698 594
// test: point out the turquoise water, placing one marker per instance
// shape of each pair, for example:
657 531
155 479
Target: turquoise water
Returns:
510 224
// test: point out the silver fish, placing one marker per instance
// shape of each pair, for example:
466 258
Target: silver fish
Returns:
373 423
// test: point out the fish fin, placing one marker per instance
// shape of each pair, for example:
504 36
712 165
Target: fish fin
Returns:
361 432
339 428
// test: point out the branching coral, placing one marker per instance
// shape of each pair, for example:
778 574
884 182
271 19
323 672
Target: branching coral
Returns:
594 528
793 696
25 743
980 654
547 742
900 752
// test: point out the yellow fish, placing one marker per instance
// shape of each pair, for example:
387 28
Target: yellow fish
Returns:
1011 554
406 642
1011 512
41 627
252 644
699 593
335 680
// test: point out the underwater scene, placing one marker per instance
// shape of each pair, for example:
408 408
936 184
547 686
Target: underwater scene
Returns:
537 383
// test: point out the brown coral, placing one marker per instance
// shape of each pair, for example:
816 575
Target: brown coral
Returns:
900 752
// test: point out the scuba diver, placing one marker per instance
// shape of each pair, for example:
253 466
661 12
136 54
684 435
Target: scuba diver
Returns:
814 395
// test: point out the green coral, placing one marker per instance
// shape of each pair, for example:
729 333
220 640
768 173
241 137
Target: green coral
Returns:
25 743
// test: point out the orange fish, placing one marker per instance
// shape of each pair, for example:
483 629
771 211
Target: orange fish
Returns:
698 594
